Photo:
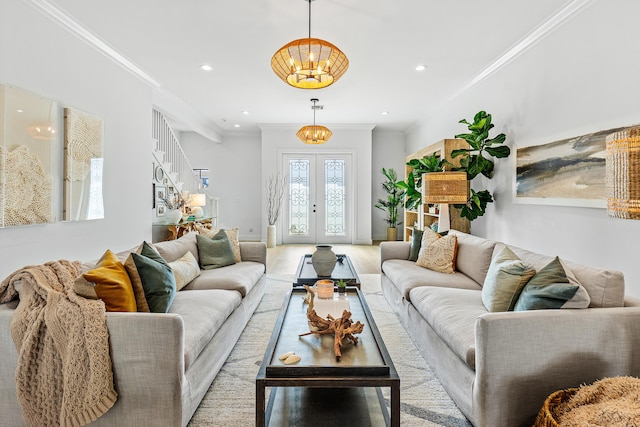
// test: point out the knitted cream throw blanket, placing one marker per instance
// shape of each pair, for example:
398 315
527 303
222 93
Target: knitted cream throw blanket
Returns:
64 374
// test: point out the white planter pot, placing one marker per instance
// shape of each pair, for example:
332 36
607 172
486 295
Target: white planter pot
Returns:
173 216
271 236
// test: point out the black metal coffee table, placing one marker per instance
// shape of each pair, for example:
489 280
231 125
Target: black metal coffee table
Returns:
319 390
306 275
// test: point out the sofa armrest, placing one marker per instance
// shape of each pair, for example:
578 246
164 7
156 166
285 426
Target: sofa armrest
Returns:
254 251
394 250
522 357
147 352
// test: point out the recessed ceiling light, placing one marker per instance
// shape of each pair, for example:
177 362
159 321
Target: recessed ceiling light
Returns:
385 113
236 125
206 67
421 67
245 112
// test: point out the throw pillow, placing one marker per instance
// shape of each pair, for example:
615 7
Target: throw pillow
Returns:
185 269
232 234
85 288
552 288
506 277
136 282
215 252
156 278
416 241
112 283
436 252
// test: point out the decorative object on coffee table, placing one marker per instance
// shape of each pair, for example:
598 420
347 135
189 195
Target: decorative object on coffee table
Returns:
323 260
325 288
342 287
341 328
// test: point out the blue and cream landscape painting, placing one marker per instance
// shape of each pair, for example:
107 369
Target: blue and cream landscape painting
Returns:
566 172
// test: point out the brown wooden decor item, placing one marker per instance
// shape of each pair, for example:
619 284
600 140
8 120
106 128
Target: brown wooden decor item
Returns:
341 328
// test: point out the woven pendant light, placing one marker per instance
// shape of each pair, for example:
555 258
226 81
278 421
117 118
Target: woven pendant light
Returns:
314 134
309 63
623 174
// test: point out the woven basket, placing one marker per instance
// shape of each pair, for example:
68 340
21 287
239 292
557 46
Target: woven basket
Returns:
547 415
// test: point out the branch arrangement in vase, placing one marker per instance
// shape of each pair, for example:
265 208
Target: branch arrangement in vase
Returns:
275 185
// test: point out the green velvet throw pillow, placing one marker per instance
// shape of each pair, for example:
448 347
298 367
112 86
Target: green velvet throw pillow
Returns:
506 277
156 276
551 287
416 242
214 252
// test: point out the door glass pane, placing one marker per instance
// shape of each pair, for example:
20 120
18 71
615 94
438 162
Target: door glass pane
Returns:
298 197
334 197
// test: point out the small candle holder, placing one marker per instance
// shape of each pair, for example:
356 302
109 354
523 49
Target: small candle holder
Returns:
325 288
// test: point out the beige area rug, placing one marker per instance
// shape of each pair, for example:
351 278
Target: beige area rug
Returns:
230 400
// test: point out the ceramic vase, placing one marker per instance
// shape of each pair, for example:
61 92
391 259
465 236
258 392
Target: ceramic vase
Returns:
173 216
323 260
271 236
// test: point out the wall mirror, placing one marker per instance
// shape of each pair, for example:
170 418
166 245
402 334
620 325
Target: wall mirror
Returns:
28 140
83 166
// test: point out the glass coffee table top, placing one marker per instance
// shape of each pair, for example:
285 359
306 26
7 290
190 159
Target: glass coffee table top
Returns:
306 275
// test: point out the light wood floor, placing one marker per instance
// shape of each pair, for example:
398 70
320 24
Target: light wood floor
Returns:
284 259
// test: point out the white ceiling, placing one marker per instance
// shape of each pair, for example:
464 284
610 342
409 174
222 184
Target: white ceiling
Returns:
384 41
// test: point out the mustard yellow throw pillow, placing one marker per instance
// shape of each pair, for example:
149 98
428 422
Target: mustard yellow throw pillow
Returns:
112 284
438 253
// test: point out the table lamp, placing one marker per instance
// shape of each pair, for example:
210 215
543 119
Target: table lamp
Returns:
196 202
445 188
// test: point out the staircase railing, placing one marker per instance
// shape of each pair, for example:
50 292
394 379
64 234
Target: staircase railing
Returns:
181 172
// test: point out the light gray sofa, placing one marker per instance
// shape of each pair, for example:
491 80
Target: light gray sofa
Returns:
499 367
163 364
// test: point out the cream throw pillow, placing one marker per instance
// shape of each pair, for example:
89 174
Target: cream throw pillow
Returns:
438 253
232 234
506 277
185 269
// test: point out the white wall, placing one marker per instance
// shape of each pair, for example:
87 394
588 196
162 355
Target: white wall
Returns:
388 152
234 176
581 78
349 138
40 57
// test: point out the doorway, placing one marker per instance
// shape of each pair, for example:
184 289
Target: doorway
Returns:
319 198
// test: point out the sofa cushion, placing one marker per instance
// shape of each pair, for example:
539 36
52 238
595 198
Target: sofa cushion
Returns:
452 314
416 243
171 250
203 313
185 269
552 288
605 287
241 277
214 252
232 234
505 280
436 252
474 255
406 275
157 279
112 283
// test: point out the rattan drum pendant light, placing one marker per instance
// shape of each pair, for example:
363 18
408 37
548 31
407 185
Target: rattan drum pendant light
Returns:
623 174
309 63
314 134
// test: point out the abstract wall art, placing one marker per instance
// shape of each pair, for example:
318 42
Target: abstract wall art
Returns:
83 166
568 172
28 139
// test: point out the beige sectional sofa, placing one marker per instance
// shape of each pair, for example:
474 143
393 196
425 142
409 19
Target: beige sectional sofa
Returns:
499 367
163 363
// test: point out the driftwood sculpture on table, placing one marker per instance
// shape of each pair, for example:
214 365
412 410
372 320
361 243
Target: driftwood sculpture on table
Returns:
341 328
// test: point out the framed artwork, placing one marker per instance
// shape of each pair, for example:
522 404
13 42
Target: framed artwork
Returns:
83 165
158 174
28 154
568 172
160 193
160 210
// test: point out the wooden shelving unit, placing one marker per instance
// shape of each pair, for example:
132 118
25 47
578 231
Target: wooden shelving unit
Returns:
422 217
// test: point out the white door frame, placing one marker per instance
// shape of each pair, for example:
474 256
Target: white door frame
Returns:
315 237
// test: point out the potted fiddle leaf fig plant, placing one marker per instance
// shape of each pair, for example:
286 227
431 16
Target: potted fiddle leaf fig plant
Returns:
477 160
413 183
393 202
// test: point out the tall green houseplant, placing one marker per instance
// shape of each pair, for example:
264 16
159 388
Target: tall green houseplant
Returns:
391 205
477 160
413 183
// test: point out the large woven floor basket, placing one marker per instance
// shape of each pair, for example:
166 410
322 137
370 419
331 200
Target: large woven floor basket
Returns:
547 416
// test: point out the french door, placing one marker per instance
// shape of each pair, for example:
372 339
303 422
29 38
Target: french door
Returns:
319 200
